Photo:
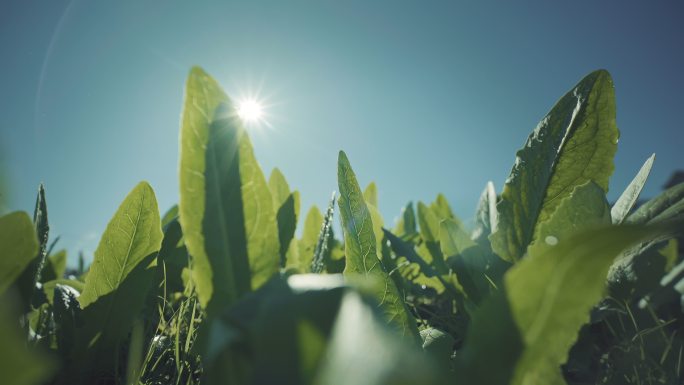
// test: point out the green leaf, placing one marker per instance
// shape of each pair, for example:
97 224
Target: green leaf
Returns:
666 206
169 216
406 250
419 271
40 220
307 244
360 249
115 288
429 220
406 227
552 293
106 324
287 211
468 260
325 242
442 210
26 283
429 223
279 188
131 235
226 210
585 207
370 194
527 329
486 217
629 197
19 246
572 145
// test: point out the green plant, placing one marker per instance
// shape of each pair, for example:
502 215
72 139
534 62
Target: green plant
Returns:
551 285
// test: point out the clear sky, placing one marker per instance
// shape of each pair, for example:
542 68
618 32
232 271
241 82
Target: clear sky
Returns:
424 96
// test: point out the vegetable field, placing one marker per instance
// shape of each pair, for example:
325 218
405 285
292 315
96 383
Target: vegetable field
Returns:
552 284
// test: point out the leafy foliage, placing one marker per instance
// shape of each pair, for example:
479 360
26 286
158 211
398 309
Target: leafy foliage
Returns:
549 285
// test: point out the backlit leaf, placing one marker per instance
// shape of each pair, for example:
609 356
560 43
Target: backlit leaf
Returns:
132 234
360 249
629 197
226 209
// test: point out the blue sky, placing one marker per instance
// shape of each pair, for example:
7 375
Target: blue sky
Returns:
424 96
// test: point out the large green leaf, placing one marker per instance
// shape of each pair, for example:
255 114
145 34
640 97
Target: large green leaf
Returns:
552 293
132 234
260 224
527 329
226 210
573 144
360 249
286 205
629 197
18 245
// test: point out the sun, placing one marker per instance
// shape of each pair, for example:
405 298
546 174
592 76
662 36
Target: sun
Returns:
250 111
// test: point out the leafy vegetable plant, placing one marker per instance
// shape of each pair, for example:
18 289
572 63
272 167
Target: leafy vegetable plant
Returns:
551 284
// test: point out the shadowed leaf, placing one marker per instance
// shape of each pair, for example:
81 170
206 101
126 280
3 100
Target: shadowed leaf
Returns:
573 144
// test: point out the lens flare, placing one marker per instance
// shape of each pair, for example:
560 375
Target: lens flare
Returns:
250 111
